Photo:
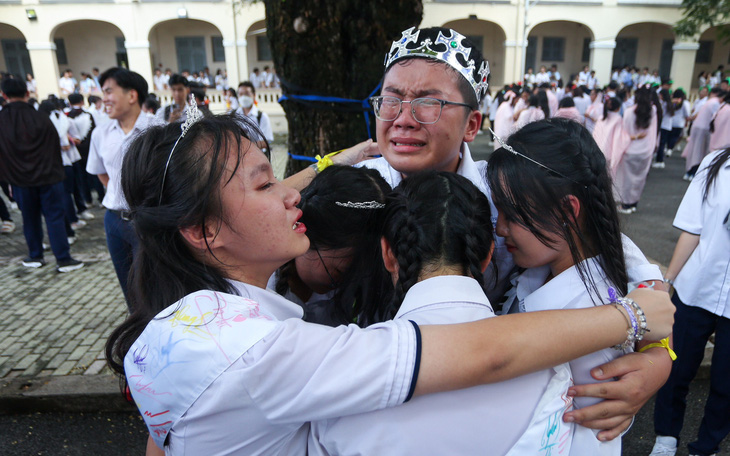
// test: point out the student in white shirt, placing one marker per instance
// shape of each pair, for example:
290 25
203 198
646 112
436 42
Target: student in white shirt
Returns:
124 93
410 145
247 108
699 272
217 363
436 254
558 216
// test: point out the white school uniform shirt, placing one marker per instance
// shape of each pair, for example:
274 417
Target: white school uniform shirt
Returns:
704 281
583 77
108 145
65 127
264 125
488 418
567 291
679 119
243 375
476 172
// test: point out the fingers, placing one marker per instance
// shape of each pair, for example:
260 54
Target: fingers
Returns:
616 431
618 367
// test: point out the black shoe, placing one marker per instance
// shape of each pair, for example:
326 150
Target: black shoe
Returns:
69 265
34 262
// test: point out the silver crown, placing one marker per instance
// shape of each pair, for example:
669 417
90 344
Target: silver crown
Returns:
453 44
361 205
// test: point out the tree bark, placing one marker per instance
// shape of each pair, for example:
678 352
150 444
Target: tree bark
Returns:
333 48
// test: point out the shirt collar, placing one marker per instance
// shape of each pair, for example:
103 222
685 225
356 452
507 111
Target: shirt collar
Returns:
440 289
558 292
269 302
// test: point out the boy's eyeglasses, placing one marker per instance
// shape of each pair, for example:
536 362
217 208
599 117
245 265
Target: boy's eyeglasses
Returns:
426 111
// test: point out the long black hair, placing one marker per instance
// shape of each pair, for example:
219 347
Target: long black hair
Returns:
165 269
435 219
666 97
643 99
340 226
536 198
612 104
714 169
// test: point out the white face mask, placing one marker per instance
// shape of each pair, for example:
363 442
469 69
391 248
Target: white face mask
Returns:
245 102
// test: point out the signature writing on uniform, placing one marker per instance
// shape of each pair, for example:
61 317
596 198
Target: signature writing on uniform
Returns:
550 435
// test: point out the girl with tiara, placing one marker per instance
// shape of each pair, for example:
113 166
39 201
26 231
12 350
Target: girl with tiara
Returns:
334 280
551 187
436 244
218 364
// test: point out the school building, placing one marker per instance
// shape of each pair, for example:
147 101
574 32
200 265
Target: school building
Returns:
44 37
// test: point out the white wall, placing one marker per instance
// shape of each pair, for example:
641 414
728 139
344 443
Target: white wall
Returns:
252 49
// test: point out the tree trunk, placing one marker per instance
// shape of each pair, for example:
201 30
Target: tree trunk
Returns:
332 48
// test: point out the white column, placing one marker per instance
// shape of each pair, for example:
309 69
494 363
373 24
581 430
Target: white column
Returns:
602 59
231 53
242 47
683 64
513 60
140 61
45 67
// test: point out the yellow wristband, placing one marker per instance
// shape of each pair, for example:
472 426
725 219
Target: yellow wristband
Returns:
662 343
326 161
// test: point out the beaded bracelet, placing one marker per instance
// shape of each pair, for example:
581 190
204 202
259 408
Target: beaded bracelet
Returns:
636 319
633 330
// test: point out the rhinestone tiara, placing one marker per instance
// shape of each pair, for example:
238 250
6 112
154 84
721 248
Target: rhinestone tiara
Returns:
446 49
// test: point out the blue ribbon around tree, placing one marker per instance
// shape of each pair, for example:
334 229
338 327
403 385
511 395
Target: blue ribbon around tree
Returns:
365 104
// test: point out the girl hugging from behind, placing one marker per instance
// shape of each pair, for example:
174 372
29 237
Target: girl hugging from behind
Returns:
558 216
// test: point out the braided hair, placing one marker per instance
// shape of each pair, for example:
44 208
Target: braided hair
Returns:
537 199
434 220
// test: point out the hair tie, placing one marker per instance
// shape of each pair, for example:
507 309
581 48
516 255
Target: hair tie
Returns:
326 161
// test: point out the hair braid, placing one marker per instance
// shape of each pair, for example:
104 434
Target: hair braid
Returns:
408 253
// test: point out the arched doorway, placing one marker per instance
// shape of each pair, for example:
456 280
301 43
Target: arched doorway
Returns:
14 56
713 53
489 39
187 45
258 49
565 44
87 44
645 45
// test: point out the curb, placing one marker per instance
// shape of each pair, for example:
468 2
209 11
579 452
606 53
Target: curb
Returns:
74 393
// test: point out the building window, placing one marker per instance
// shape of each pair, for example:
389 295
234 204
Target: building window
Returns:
586 50
704 53
553 49
61 51
219 55
263 50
